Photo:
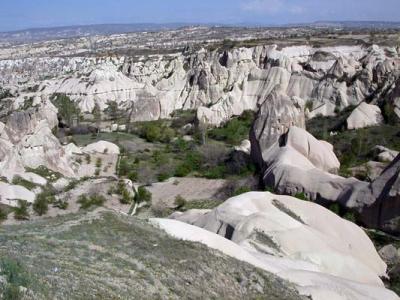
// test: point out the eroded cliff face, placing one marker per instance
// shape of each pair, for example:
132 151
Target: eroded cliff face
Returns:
221 84
26 140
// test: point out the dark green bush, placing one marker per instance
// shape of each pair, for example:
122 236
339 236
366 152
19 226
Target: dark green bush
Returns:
18 180
94 200
143 195
3 215
180 202
21 211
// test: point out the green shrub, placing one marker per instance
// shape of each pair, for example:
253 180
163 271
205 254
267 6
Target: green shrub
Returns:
235 130
242 190
18 180
180 202
143 195
133 176
41 204
21 211
335 208
151 132
94 200
61 204
350 216
216 172
3 215
16 276
182 170
97 172
301 196
98 162
126 197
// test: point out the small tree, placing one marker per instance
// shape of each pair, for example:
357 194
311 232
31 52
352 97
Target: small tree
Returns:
143 195
41 205
97 116
3 215
180 202
21 211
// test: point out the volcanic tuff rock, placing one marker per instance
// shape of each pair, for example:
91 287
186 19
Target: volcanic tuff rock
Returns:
277 114
324 255
298 163
26 140
364 115
221 84
379 202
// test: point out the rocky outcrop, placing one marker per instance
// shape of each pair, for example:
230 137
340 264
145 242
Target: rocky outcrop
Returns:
299 163
379 202
221 84
277 114
364 115
26 140
325 256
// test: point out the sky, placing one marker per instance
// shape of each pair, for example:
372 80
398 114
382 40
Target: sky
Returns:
21 14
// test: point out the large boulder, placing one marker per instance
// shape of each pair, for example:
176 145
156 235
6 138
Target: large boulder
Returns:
325 256
299 163
364 115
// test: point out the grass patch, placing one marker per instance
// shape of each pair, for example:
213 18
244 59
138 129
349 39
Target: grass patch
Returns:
18 180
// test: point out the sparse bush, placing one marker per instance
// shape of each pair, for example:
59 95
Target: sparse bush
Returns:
3 215
15 276
350 216
21 211
180 202
301 196
61 204
99 162
242 190
335 208
88 159
126 197
41 204
133 176
18 180
143 195
94 200
97 172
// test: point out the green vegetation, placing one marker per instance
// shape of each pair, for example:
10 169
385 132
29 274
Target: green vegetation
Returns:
301 196
353 147
45 173
156 131
42 201
66 108
143 195
93 200
18 180
16 277
180 202
21 211
235 130
3 214
242 190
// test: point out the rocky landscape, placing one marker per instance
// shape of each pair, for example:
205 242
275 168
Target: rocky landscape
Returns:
166 158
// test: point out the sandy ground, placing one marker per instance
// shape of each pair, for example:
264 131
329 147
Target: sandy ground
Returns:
164 193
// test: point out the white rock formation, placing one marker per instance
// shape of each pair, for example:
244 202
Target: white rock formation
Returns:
324 255
101 147
26 140
364 115
221 85
10 194
245 147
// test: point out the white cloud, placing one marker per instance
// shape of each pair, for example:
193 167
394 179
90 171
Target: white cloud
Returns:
272 7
